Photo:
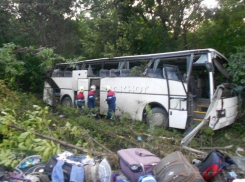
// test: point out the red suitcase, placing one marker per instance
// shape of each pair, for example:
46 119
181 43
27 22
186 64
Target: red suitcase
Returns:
136 162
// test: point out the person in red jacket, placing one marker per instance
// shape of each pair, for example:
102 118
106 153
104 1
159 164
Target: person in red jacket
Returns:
111 101
80 98
91 101
91 97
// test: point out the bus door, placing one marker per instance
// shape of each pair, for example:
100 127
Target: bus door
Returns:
177 97
96 82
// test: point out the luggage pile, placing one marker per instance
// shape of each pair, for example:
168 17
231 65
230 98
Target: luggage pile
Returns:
64 167
136 165
140 165
67 167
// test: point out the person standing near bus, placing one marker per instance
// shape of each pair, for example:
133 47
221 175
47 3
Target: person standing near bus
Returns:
91 101
91 97
80 98
111 101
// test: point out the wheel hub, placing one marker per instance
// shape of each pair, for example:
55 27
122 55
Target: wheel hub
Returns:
157 119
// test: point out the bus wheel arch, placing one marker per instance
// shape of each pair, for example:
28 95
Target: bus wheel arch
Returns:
159 115
66 101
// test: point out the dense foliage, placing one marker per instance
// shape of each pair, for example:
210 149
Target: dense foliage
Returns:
94 29
36 34
46 32
237 66
23 68
223 29
39 23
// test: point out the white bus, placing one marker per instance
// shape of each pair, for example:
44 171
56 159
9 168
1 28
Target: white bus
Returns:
177 86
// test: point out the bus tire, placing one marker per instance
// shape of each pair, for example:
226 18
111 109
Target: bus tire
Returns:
66 101
159 117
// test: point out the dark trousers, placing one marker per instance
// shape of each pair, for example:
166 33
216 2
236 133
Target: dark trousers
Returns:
111 109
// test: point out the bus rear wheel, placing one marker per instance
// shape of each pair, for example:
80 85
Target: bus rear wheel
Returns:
66 102
159 117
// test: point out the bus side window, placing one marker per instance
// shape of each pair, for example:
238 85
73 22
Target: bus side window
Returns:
57 73
157 74
67 74
136 71
54 74
104 73
172 74
114 72
124 72
90 71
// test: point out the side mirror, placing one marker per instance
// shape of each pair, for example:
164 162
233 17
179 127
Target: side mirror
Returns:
209 67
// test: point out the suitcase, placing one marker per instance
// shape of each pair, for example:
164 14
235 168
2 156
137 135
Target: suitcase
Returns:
136 162
175 167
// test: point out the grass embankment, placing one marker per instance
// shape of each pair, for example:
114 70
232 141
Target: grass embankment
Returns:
29 127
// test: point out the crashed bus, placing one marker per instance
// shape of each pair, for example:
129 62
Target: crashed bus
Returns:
177 86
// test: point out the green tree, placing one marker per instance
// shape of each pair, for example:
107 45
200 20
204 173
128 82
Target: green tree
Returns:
11 68
42 23
236 65
115 28
95 34
23 68
223 28
6 31
175 18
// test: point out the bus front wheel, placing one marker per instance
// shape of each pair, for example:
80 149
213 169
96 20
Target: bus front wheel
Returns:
159 117
66 102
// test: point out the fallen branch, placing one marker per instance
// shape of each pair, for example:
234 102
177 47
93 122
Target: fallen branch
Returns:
98 143
61 142
121 137
218 148
145 134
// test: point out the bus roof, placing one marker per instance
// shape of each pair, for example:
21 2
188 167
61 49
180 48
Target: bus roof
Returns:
152 56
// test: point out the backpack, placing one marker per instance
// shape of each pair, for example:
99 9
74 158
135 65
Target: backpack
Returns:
213 164
92 172
147 178
100 171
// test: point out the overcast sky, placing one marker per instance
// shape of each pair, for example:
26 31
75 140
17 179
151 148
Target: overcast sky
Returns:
210 3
